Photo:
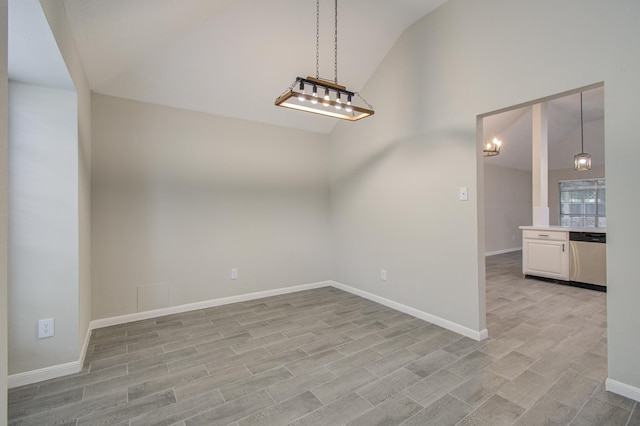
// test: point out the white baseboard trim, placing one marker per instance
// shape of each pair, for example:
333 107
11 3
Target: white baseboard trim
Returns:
85 345
509 250
33 376
623 389
123 319
449 325
54 371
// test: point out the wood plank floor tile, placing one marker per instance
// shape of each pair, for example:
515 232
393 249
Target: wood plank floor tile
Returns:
325 356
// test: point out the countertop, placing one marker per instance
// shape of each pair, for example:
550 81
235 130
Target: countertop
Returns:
563 228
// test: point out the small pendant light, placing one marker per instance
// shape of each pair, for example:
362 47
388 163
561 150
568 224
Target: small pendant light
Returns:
582 161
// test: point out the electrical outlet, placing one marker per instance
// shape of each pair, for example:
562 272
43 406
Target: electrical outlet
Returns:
45 328
383 274
234 273
463 193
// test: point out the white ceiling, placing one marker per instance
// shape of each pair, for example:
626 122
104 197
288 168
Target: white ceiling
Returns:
514 129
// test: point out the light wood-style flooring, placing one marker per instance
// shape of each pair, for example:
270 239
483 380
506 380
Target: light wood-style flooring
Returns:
327 357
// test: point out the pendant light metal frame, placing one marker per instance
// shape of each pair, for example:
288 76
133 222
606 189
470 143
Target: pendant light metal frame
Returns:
582 161
341 105
336 108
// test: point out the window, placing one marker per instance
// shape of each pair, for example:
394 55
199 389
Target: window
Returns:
582 203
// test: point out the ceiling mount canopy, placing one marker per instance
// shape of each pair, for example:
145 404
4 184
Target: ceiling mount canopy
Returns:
324 97
582 161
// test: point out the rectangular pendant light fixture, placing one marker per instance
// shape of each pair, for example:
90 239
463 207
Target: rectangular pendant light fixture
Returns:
322 97
336 100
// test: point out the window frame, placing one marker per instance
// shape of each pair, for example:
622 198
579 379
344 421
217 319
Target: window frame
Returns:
580 218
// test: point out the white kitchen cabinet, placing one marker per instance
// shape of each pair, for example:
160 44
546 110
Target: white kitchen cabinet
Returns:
545 253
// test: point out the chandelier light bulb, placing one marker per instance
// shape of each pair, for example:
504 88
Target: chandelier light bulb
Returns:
315 94
348 108
301 95
326 98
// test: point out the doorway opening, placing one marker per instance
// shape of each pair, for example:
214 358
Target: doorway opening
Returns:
508 176
548 330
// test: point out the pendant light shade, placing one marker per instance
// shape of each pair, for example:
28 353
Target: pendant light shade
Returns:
582 161
333 95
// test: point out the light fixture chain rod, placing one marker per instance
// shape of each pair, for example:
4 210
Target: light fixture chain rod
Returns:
581 125
317 38
290 88
335 48
363 100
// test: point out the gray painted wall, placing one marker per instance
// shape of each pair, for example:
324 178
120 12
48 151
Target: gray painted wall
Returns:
179 198
507 206
58 22
4 209
396 175
43 225
76 306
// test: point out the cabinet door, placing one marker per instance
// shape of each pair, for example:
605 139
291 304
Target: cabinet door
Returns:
546 259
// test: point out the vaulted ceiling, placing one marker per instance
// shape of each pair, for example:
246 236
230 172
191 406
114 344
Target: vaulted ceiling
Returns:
514 129
233 58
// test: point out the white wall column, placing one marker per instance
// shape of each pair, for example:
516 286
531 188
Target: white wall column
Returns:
43 226
540 165
4 210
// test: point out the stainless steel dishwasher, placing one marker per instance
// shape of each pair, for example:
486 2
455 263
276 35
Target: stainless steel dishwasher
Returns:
588 251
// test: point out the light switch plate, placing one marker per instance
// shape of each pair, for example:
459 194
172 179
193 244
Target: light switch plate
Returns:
463 193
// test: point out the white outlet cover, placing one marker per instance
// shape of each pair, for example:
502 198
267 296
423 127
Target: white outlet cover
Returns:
383 274
463 193
45 328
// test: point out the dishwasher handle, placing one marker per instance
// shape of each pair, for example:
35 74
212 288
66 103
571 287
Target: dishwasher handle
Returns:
588 237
